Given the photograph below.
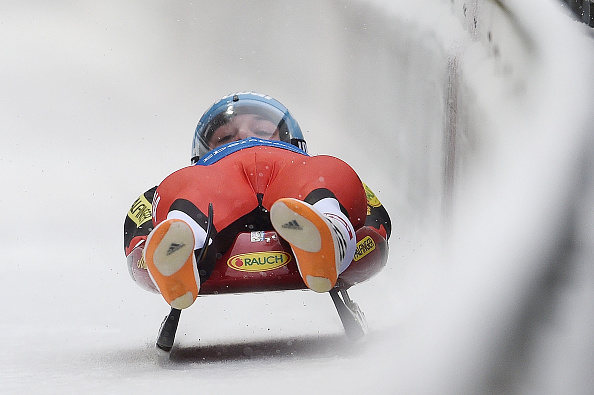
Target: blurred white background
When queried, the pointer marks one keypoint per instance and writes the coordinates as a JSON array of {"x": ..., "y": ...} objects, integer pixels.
[{"x": 99, "y": 100}]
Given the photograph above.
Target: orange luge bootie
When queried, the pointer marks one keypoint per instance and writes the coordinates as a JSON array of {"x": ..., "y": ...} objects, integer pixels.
[
  {"x": 318, "y": 246},
  {"x": 169, "y": 257}
]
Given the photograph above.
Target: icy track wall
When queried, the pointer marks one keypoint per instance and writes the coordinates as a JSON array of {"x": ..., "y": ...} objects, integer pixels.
[
  {"x": 472, "y": 111},
  {"x": 446, "y": 84},
  {"x": 501, "y": 125}
]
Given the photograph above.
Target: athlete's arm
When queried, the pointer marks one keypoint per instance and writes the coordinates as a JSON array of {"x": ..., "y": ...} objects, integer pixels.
[
  {"x": 377, "y": 216},
  {"x": 139, "y": 221}
]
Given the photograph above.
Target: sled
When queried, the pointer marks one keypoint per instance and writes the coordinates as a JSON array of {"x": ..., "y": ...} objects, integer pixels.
[{"x": 260, "y": 261}]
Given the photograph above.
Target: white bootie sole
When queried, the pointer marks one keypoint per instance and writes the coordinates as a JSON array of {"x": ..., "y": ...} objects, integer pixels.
[
  {"x": 312, "y": 240},
  {"x": 174, "y": 249},
  {"x": 298, "y": 230}
]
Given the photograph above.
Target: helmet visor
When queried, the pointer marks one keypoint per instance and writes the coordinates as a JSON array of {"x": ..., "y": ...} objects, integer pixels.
[
  {"x": 242, "y": 115},
  {"x": 241, "y": 120}
]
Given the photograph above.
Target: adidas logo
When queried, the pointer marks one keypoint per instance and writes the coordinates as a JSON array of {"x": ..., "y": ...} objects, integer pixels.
[
  {"x": 292, "y": 225},
  {"x": 174, "y": 247}
]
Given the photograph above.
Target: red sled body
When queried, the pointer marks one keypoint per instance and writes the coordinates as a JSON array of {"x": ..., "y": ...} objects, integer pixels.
[{"x": 261, "y": 261}]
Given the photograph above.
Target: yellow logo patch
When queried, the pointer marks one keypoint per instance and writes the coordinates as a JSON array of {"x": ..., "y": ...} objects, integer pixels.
[
  {"x": 141, "y": 264},
  {"x": 372, "y": 200},
  {"x": 259, "y": 261},
  {"x": 364, "y": 247},
  {"x": 140, "y": 212}
]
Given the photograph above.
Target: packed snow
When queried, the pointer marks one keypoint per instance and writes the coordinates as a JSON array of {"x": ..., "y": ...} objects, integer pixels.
[{"x": 99, "y": 101}]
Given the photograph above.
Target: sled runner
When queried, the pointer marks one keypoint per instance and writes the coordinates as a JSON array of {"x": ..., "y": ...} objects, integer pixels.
[{"x": 259, "y": 261}]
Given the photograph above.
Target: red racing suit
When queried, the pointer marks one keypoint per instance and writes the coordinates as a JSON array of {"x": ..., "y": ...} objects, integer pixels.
[{"x": 242, "y": 180}]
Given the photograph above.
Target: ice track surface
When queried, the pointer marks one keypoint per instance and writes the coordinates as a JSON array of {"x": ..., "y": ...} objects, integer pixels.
[{"x": 98, "y": 103}]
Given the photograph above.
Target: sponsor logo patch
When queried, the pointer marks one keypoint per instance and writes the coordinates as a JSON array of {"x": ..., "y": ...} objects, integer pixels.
[
  {"x": 140, "y": 212},
  {"x": 257, "y": 236},
  {"x": 259, "y": 261},
  {"x": 141, "y": 264},
  {"x": 372, "y": 200},
  {"x": 364, "y": 247}
]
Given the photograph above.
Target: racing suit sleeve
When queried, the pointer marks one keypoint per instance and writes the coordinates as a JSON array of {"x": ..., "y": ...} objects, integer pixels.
[
  {"x": 377, "y": 216},
  {"x": 139, "y": 221},
  {"x": 137, "y": 226}
]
